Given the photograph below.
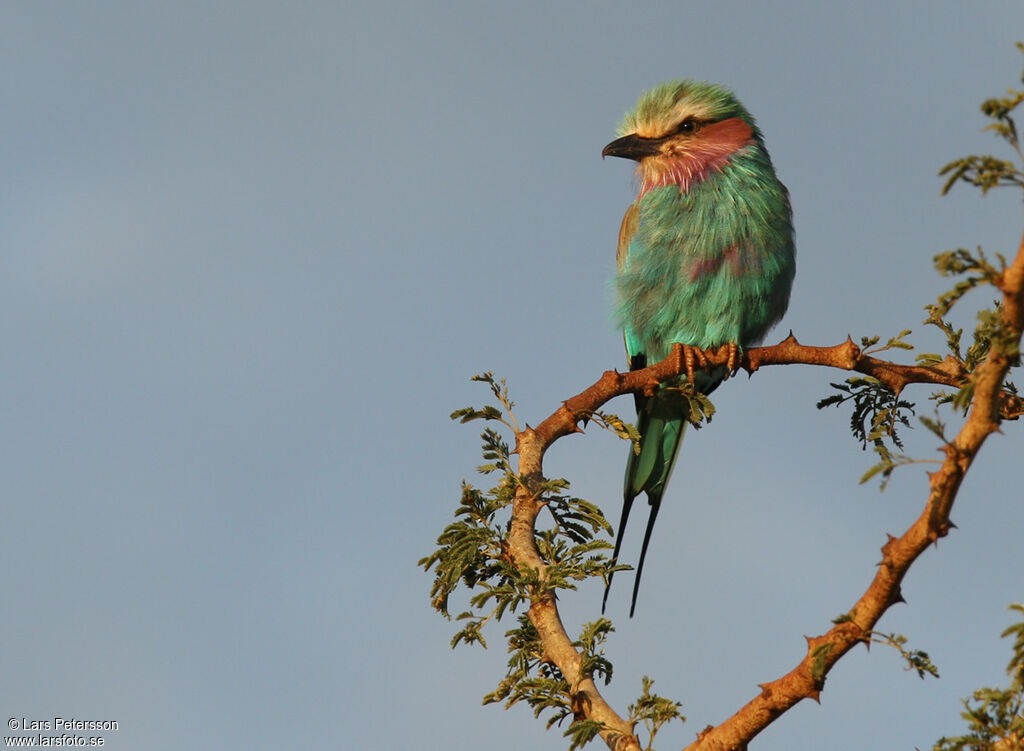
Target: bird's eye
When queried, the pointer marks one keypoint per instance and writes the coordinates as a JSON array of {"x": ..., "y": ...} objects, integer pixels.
[{"x": 689, "y": 126}]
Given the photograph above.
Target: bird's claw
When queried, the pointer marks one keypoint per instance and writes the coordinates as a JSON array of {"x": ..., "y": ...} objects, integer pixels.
[
  {"x": 732, "y": 362},
  {"x": 689, "y": 357}
]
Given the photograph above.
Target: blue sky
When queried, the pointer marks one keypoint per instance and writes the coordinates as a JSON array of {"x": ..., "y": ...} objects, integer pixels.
[{"x": 250, "y": 255}]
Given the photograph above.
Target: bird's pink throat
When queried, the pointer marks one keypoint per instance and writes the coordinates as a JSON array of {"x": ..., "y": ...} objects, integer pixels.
[{"x": 708, "y": 151}]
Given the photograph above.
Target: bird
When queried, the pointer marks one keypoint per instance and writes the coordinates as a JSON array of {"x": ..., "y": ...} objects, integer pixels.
[{"x": 706, "y": 258}]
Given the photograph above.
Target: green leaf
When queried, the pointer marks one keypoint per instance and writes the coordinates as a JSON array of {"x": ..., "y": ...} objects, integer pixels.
[
  {"x": 819, "y": 658},
  {"x": 653, "y": 711}
]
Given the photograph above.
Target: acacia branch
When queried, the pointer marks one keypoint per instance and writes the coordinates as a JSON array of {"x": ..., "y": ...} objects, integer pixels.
[{"x": 989, "y": 406}]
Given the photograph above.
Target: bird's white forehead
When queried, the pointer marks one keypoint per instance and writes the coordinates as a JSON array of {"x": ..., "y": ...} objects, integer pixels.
[{"x": 655, "y": 126}]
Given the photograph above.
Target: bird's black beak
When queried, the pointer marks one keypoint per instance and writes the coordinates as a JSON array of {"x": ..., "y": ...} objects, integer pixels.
[{"x": 633, "y": 147}]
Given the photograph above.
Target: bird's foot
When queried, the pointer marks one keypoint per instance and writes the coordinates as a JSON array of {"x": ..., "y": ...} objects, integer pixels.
[{"x": 687, "y": 357}]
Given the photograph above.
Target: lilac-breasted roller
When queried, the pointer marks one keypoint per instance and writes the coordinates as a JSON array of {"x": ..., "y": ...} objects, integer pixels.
[{"x": 705, "y": 258}]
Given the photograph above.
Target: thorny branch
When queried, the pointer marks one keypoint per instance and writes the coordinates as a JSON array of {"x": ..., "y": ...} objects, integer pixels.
[{"x": 989, "y": 406}]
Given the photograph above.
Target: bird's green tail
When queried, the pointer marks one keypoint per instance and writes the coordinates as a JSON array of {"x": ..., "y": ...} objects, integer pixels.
[{"x": 662, "y": 422}]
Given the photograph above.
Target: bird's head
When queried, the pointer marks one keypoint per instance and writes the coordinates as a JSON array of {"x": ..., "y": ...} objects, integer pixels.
[{"x": 681, "y": 131}]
